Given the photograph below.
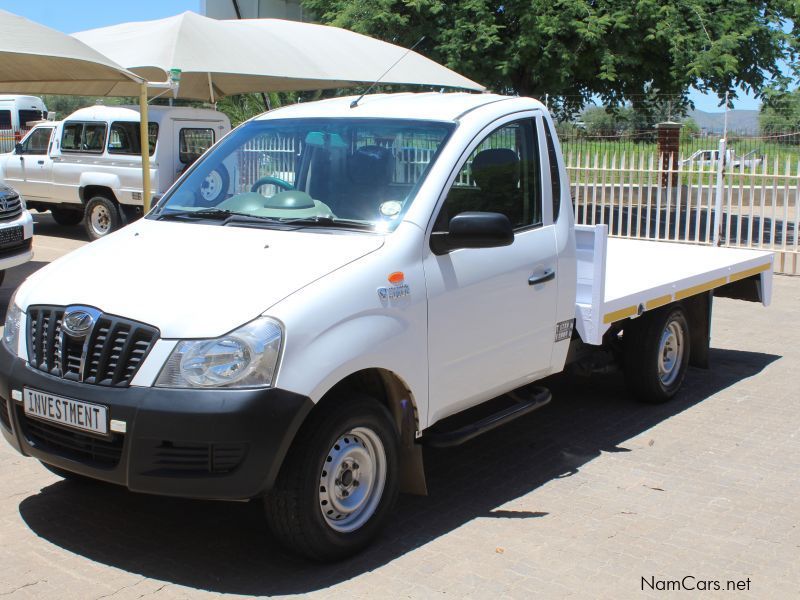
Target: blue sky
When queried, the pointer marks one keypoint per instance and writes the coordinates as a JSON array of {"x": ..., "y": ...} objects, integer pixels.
[{"x": 77, "y": 15}]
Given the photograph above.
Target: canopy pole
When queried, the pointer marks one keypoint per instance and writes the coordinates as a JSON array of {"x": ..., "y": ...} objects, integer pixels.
[{"x": 144, "y": 135}]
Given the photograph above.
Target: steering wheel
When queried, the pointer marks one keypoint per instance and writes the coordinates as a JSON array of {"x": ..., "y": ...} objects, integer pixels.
[{"x": 276, "y": 181}]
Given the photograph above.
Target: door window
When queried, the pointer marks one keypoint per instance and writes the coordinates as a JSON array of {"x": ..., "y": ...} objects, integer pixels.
[
  {"x": 5, "y": 119},
  {"x": 501, "y": 175},
  {"x": 193, "y": 142},
  {"x": 124, "y": 138},
  {"x": 83, "y": 137},
  {"x": 26, "y": 116},
  {"x": 555, "y": 174},
  {"x": 37, "y": 142}
]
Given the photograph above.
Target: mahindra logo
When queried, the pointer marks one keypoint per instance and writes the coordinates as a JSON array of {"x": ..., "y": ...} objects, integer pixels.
[
  {"x": 77, "y": 323},
  {"x": 3, "y": 204}
]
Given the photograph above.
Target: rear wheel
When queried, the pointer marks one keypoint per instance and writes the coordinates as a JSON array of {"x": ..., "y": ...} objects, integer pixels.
[
  {"x": 101, "y": 217},
  {"x": 657, "y": 347},
  {"x": 65, "y": 216},
  {"x": 338, "y": 483}
]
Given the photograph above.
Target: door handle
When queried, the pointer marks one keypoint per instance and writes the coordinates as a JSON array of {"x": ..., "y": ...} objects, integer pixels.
[
  {"x": 548, "y": 275},
  {"x": 41, "y": 162}
]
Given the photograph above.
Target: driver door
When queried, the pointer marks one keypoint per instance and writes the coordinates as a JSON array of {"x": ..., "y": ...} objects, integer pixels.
[
  {"x": 491, "y": 311},
  {"x": 30, "y": 169}
]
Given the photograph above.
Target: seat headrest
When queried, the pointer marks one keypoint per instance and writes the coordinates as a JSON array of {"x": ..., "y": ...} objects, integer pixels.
[
  {"x": 495, "y": 167},
  {"x": 371, "y": 166}
]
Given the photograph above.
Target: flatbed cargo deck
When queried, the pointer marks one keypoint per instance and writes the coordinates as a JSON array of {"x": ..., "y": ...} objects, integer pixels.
[{"x": 622, "y": 278}]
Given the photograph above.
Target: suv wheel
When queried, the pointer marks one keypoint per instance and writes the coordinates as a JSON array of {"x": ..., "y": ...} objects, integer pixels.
[
  {"x": 65, "y": 216},
  {"x": 101, "y": 217}
]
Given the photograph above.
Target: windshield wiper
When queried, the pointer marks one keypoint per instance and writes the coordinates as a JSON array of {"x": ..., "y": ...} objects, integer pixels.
[
  {"x": 330, "y": 222},
  {"x": 207, "y": 213},
  {"x": 226, "y": 216}
]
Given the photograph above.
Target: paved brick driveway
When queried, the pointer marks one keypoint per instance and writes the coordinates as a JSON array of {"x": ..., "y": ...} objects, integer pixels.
[{"x": 583, "y": 498}]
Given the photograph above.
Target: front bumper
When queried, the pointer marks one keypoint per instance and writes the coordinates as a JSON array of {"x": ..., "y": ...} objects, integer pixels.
[
  {"x": 214, "y": 444},
  {"x": 16, "y": 254}
]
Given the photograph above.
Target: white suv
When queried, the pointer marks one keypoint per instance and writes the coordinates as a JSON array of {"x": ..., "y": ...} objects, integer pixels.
[
  {"x": 16, "y": 230},
  {"x": 87, "y": 168}
]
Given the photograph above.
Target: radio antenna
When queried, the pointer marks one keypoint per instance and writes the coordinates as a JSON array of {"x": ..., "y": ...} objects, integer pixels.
[{"x": 355, "y": 102}]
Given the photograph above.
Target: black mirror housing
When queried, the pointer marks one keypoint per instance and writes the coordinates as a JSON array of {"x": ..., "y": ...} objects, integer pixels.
[{"x": 474, "y": 230}]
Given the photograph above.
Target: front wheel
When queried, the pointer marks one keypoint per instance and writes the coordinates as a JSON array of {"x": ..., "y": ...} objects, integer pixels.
[
  {"x": 338, "y": 483},
  {"x": 65, "y": 216},
  {"x": 101, "y": 217},
  {"x": 657, "y": 347}
]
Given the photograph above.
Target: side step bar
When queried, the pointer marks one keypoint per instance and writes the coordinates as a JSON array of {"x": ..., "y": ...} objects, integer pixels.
[{"x": 526, "y": 400}]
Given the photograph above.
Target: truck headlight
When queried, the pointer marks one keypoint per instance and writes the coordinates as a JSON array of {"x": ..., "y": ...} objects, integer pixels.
[
  {"x": 245, "y": 357},
  {"x": 13, "y": 325}
]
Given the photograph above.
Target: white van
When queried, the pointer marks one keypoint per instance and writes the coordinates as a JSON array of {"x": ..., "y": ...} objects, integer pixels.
[
  {"x": 88, "y": 167},
  {"x": 15, "y": 114}
]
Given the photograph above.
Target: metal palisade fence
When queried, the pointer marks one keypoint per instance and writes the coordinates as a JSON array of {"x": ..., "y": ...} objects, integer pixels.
[
  {"x": 700, "y": 199},
  {"x": 744, "y": 201},
  {"x": 7, "y": 140}
]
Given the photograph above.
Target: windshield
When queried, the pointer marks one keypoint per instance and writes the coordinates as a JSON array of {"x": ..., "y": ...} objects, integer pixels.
[{"x": 350, "y": 173}]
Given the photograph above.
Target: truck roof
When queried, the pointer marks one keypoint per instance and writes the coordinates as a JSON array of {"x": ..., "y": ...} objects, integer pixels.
[
  {"x": 430, "y": 106},
  {"x": 155, "y": 113},
  {"x": 18, "y": 98}
]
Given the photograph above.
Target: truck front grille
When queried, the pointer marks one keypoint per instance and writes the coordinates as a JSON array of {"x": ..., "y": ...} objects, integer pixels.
[
  {"x": 10, "y": 207},
  {"x": 87, "y": 449},
  {"x": 15, "y": 248},
  {"x": 110, "y": 353}
]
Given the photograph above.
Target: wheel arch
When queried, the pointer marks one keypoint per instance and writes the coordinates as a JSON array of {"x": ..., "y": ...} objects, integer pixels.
[
  {"x": 385, "y": 386},
  {"x": 390, "y": 390},
  {"x": 87, "y": 192}
]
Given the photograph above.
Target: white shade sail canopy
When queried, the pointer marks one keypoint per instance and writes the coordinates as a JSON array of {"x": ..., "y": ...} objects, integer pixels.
[
  {"x": 35, "y": 59},
  {"x": 222, "y": 58}
]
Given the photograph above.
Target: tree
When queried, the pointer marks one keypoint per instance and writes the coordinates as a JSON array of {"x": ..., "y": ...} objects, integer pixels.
[
  {"x": 780, "y": 113},
  {"x": 572, "y": 50},
  {"x": 63, "y": 106}
]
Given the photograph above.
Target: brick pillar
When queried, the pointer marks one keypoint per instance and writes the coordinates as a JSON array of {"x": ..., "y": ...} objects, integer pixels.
[{"x": 669, "y": 138}]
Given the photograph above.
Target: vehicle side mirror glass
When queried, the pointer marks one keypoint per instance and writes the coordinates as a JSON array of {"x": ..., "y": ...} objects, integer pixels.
[
  {"x": 18, "y": 149},
  {"x": 474, "y": 230}
]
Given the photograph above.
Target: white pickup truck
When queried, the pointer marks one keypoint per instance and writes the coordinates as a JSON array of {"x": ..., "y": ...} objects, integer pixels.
[
  {"x": 377, "y": 270},
  {"x": 88, "y": 167}
]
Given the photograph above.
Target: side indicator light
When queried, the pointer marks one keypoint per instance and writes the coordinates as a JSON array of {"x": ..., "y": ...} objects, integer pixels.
[{"x": 396, "y": 277}]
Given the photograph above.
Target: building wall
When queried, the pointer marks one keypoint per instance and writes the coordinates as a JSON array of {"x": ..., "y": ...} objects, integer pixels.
[{"x": 255, "y": 9}]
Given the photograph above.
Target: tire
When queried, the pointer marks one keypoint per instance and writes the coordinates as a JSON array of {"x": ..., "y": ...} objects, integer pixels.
[
  {"x": 657, "y": 348},
  {"x": 65, "y": 216},
  {"x": 67, "y": 475},
  {"x": 214, "y": 186},
  {"x": 326, "y": 514},
  {"x": 101, "y": 217}
]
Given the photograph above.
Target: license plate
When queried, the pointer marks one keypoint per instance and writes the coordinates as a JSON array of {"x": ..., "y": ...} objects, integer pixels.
[
  {"x": 66, "y": 411},
  {"x": 10, "y": 236}
]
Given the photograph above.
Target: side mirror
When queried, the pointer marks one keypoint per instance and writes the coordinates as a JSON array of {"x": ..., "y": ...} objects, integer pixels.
[
  {"x": 474, "y": 230},
  {"x": 18, "y": 149}
]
